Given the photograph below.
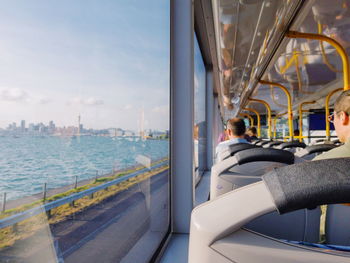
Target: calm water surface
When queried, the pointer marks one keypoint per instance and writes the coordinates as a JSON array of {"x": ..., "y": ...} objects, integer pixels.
[{"x": 26, "y": 163}]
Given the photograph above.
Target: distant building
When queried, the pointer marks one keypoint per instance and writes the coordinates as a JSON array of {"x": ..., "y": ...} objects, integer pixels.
[
  {"x": 115, "y": 132},
  {"x": 31, "y": 127},
  {"x": 23, "y": 125}
]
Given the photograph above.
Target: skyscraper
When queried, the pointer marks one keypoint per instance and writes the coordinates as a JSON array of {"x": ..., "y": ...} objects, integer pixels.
[
  {"x": 79, "y": 127},
  {"x": 23, "y": 125}
]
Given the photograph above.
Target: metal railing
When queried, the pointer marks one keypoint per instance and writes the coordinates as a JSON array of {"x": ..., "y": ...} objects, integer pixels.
[{"x": 14, "y": 219}]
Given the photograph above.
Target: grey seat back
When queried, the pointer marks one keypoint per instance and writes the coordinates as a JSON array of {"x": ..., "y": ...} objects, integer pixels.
[
  {"x": 302, "y": 225},
  {"x": 262, "y": 142},
  {"x": 272, "y": 144},
  {"x": 232, "y": 149},
  {"x": 216, "y": 226},
  {"x": 246, "y": 167},
  {"x": 311, "y": 151},
  {"x": 337, "y": 225}
]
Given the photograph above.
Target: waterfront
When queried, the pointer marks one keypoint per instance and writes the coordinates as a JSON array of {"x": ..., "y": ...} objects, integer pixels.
[{"x": 27, "y": 162}]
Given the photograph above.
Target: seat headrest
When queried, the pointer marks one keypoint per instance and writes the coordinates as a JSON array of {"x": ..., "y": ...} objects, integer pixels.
[
  {"x": 261, "y": 143},
  {"x": 319, "y": 148},
  {"x": 264, "y": 154},
  {"x": 309, "y": 184},
  {"x": 291, "y": 145},
  {"x": 235, "y": 148},
  {"x": 256, "y": 141},
  {"x": 273, "y": 143}
]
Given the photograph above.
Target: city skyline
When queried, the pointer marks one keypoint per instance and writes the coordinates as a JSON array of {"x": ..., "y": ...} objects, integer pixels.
[{"x": 24, "y": 126}]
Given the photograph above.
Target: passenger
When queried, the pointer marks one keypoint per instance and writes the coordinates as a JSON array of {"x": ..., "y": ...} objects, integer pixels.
[
  {"x": 222, "y": 137},
  {"x": 341, "y": 120},
  {"x": 235, "y": 132},
  {"x": 247, "y": 137},
  {"x": 252, "y": 133},
  {"x": 296, "y": 133}
]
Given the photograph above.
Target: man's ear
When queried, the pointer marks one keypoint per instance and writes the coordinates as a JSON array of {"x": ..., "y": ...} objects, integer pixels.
[
  {"x": 229, "y": 132},
  {"x": 345, "y": 119}
]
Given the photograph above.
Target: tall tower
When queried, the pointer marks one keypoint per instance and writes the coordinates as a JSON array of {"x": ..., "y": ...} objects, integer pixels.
[{"x": 79, "y": 124}]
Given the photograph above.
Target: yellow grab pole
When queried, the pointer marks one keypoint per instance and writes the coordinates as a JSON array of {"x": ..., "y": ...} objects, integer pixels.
[
  {"x": 328, "y": 132},
  {"x": 341, "y": 51},
  {"x": 251, "y": 120},
  {"x": 275, "y": 127},
  {"x": 289, "y": 98},
  {"x": 301, "y": 118},
  {"x": 258, "y": 119},
  {"x": 268, "y": 114}
]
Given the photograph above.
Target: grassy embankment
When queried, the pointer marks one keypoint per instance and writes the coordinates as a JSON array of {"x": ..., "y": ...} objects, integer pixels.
[{"x": 28, "y": 227}]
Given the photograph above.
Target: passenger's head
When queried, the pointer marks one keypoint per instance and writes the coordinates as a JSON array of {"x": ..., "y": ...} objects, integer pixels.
[
  {"x": 296, "y": 133},
  {"x": 251, "y": 131},
  {"x": 235, "y": 128},
  {"x": 341, "y": 116}
]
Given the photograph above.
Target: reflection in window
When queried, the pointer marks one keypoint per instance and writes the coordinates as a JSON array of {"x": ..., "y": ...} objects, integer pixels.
[
  {"x": 84, "y": 130},
  {"x": 199, "y": 111}
]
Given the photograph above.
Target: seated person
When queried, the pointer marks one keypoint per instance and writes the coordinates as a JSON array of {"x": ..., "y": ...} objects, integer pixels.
[
  {"x": 252, "y": 133},
  {"x": 296, "y": 133},
  {"x": 235, "y": 132},
  {"x": 341, "y": 120}
]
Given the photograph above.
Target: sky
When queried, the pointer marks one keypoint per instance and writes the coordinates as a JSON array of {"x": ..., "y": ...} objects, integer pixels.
[
  {"x": 107, "y": 60},
  {"x": 199, "y": 84}
]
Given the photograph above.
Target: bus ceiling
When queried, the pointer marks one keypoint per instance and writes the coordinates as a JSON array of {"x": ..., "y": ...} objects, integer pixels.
[{"x": 274, "y": 45}]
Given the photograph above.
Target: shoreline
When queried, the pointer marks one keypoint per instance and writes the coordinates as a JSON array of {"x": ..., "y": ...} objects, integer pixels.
[{"x": 11, "y": 204}]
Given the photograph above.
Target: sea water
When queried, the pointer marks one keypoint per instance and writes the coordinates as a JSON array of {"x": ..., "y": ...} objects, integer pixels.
[{"x": 28, "y": 162}]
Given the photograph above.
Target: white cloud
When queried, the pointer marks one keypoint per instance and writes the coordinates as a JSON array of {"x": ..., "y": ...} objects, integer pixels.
[
  {"x": 13, "y": 94},
  {"x": 127, "y": 107},
  {"x": 161, "y": 109},
  {"x": 42, "y": 100},
  {"x": 91, "y": 101}
]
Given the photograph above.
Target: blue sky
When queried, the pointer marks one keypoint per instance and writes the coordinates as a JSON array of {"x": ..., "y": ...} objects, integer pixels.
[{"x": 107, "y": 60}]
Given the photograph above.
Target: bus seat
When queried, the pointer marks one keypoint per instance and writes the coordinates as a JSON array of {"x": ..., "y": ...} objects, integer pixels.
[
  {"x": 262, "y": 142},
  {"x": 233, "y": 149},
  {"x": 309, "y": 152},
  {"x": 337, "y": 225},
  {"x": 256, "y": 141},
  {"x": 272, "y": 144},
  {"x": 246, "y": 167},
  {"x": 291, "y": 146},
  {"x": 217, "y": 232}
]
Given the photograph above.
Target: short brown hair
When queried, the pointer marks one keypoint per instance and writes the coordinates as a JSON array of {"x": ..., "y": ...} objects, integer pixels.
[
  {"x": 237, "y": 126},
  {"x": 343, "y": 102},
  {"x": 252, "y": 130}
]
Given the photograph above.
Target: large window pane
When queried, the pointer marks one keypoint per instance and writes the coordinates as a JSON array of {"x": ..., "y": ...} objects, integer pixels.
[
  {"x": 84, "y": 130},
  {"x": 199, "y": 110}
]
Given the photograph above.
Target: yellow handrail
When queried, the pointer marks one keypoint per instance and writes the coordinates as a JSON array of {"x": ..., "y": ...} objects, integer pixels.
[
  {"x": 258, "y": 119},
  {"x": 324, "y": 55},
  {"x": 300, "y": 84},
  {"x": 274, "y": 99},
  {"x": 275, "y": 127},
  {"x": 289, "y": 63},
  {"x": 341, "y": 51},
  {"x": 251, "y": 120},
  {"x": 301, "y": 118},
  {"x": 268, "y": 114},
  {"x": 330, "y": 94},
  {"x": 289, "y": 98}
]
